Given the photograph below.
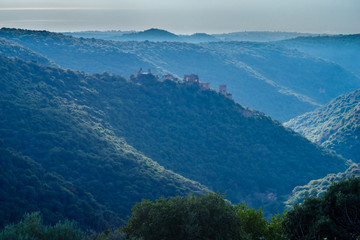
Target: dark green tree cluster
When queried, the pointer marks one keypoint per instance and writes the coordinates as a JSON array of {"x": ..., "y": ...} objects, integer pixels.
[
  {"x": 200, "y": 217},
  {"x": 31, "y": 227},
  {"x": 335, "y": 215}
]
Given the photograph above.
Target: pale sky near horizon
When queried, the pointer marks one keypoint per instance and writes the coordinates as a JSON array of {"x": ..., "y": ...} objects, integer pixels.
[{"x": 184, "y": 16}]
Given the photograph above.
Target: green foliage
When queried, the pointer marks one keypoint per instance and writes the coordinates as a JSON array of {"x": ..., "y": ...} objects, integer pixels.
[
  {"x": 253, "y": 221},
  {"x": 342, "y": 201},
  {"x": 192, "y": 217},
  {"x": 317, "y": 187},
  {"x": 12, "y": 49},
  {"x": 51, "y": 116},
  {"x": 90, "y": 130},
  {"x": 31, "y": 227},
  {"x": 28, "y": 187},
  {"x": 257, "y": 226},
  {"x": 109, "y": 234},
  {"x": 335, "y": 126},
  {"x": 276, "y": 230},
  {"x": 335, "y": 215}
]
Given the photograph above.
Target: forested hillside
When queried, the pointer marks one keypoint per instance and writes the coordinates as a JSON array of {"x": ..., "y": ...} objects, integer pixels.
[
  {"x": 267, "y": 77},
  {"x": 213, "y": 140},
  {"x": 27, "y": 187},
  {"x": 82, "y": 122},
  {"x": 12, "y": 49},
  {"x": 46, "y": 114},
  {"x": 317, "y": 187},
  {"x": 335, "y": 125},
  {"x": 342, "y": 49},
  {"x": 89, "y": 55}
]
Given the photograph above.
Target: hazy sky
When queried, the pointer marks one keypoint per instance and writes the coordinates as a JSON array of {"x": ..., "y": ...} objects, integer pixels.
[{"x": 184, "y": 16}]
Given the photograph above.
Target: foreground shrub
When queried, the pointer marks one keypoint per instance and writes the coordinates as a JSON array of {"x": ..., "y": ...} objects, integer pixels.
[
  {"x": 192, "y": 217},
  {"x": 31, "y": 227}
]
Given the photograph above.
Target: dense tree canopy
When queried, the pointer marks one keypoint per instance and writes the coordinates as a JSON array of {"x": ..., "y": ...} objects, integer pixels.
[
  {"x": 335, "y": 215},
  {"x": 192, "y": 217}
]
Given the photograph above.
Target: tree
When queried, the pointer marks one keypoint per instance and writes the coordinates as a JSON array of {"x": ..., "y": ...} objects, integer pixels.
[
  {"x": 207, "y": 216},
  {"x": 257, "y": 227},
  {"x": 343, "y": 205},
  {"x": 335, "y": 215},
  {"x": 32, "y": 228}
]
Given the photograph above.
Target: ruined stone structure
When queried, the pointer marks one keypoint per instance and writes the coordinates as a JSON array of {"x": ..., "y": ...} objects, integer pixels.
[
  {"x": 204, "y": 86},
  {"x": 192, "y": 78},
  {"x": 222, "y": 91}
]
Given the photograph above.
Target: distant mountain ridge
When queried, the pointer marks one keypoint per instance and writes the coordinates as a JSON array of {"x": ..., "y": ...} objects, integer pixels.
[
  {"x": 264, "y": 76},
  {"x": 152, "y": 34},
  {"x": 342, "y": 49},
  {"x": 162, "y": 35}
]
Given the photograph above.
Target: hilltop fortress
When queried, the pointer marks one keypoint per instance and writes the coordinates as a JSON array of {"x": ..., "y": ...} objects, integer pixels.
[{"x": 191, "y": 79}]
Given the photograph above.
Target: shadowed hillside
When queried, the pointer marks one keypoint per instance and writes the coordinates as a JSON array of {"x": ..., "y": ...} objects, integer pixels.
[{"x": 49, "y": 118}]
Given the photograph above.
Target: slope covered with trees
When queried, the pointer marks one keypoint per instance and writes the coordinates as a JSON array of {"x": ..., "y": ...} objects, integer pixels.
[
  {"x": 46, "y": 115},
  {"x": 12, "y": 49},
  {"x": 335, "y": 215},
  {"x": 317, "y": 187},
  {"x": 263, "y": 76},
  {"x": 342, "y": 49},
  {"x": 335, "y": 125},
  {"x": 80, "y": 126},
  {"x": 89, "y": 55},
  {"x": 27, "y": 187}
]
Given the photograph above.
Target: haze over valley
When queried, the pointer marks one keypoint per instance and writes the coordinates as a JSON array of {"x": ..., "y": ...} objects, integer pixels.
[{"x": 155, "y": 128}]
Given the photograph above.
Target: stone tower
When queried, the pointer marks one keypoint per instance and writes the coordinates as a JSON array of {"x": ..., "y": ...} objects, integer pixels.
[{"x": 222, "y": 89}]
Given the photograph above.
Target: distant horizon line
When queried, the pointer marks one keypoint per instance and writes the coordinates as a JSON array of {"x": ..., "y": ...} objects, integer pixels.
[{"x": 174, "y": 32}]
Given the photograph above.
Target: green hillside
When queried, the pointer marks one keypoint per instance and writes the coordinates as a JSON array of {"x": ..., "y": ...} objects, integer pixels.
[
  {"x": 213, "y": 140},
  {"x": 318, "y": 187},
  {"x": 27, "y": 187},
  {"x": 46, "y": 115},
  {"x": 267, "y": 77},
  {"x": 335, "y": 126},
  {"x": 12, "y": 49},
  {"x": 89, "y": 55},
  {"x": 342, "y": 49},
  {"x": 82, "y": 126}
]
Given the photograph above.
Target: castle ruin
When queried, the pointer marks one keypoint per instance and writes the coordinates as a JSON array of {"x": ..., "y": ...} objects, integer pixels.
[
  {"x": 193, "y": 79},
  {"x": 222, "y": 91}
]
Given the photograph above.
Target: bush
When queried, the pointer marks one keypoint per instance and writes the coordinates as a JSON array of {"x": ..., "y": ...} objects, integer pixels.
[
  {"x": 192, "y": 217},
  {"x": 32, "y": 228},
  {"x": 335, "y": 215}
]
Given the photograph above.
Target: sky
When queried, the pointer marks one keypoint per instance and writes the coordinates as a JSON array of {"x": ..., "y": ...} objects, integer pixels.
[{"x": 184, "y": 16}]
